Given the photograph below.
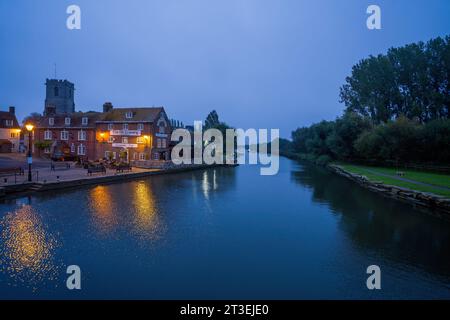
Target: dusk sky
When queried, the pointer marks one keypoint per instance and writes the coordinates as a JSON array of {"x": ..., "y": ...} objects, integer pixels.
[{"x": 259, "y": 63}]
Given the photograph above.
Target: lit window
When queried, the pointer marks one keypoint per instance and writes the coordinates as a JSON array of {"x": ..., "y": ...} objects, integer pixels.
[
  {"x": 64, "y": 135},
  {"x": 141, "y": 156},
  {"x": 48, "y": 135},
  {"x": 140, "y": 126},
  {"x": 84, "y": 121},
  {"x": 129, "y": 115},
  {"x": 67, "y": 121},
  {"x": 124, "y": 139},
  {"x": 51, "y": 121},
  {"x": 140, "y": 140}
]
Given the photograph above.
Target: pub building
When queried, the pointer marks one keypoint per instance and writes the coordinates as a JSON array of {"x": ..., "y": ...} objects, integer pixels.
[{"x": 133, "y": 134}]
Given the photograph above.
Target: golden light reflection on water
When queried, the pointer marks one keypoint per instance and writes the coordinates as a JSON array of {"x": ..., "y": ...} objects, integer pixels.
[
  {"x": 146, "y": 219},
  {"x": 101, "y": 202},
  {"x": 27, "y": 249}
]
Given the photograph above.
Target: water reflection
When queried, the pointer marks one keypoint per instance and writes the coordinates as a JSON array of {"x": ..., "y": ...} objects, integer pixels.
[
  {"x": 209, "y": 182},
  {"x": 27, "y": 249},
  {"x": 146, "y": 219},
  {"x": 102, "y": 204},
  {"x": 389, "y": 228}
]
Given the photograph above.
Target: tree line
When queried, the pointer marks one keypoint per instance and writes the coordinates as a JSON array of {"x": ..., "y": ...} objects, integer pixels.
[{"x": 397, "y": 109}]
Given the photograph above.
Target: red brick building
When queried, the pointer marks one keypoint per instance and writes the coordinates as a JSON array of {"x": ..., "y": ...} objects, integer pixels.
[
  {"x": 66, "y": 135},
  {"x": 133, "y": 133},
  {"x": 125, "y": 133}
]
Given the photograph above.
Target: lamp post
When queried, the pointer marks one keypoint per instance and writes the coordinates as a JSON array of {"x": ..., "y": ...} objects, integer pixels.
[{"x": 30, "y": 156}]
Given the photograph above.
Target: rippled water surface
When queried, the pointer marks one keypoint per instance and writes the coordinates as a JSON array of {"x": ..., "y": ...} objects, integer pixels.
[{"x": 222, "y": 233}]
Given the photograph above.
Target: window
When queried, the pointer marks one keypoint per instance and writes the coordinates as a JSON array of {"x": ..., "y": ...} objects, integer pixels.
[
  {"x": 84, "y": 121},
  {"x": 72, "y": 148},
  {"x": 110, "y": 126},
  {"x": 141, "y": 156},
  {"x": 9, "y": 123},
  {"x": 129, "y": 115},
  {"x": 81, "y": 150},
  {"x": 48, "y": 135},
  {"x": 51, "y": 121},
  {"x": 81, "y": 135},
  {"x": 56, "y": 91},
  {"x": 124, "y": 139},
  {"x": 161, "y": 130},
  {"x": 125, "y": 126},
  {"x": 158, "y": 143},
  {"x": 114, "y": 155},
  {"x": 64, "y": 135},
  {"x": 164, "y": 143},
  {"x": 47, "y": 150},
  {"x": 140, "y": 126},
  {"x": 111, "y": 139},
  {"x": 67, "y": 121},
  {"x": 14, "y": 135},
  {"x": 140, "y": 140},
  {"x": 107, "y": 153}
]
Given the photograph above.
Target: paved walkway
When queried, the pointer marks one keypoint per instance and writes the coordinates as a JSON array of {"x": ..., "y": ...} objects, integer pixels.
[
  {"x": 406, "y": 179},
  {"x": 44, "y": 174}
]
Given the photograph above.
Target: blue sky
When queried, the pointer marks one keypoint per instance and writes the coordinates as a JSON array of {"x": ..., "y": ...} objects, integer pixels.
[{"x": 259, "y": 63}]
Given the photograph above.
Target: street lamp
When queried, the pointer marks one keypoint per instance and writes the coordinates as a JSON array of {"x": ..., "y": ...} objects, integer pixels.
[{"x": 30, "y": 156}]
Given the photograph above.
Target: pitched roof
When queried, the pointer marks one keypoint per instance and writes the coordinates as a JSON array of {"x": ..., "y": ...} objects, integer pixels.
[
  {"x": 5, "y": 115},
  {"x": 147, "y": 114},
  {"x": 75, "y": 120}
]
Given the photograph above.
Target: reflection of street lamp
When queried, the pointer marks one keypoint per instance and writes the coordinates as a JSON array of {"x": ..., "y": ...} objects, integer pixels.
[
  {"x": 102, "y": 136},
  {"x": 30, "y": 157}
]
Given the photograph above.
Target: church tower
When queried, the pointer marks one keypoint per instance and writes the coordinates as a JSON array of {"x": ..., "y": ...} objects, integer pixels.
[{"x": 59, "y": 97}]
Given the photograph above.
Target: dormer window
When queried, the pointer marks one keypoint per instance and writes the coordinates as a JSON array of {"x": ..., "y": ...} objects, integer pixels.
[
  {"x": 51, "y": 121},
  {"x": 67, "y": 121},
  {"x": 129, "y": 115},
  {"x": 9, "y": 123},
  {"x": 84, "y": 121}
]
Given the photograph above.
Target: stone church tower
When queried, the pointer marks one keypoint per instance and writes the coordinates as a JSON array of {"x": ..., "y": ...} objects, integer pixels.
[{"x": 59, "y": 97}]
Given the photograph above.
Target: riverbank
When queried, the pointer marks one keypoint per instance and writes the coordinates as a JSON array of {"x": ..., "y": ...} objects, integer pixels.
[
  {"x": 440, "y": 205},
  {"x": 78, "y": 178}
]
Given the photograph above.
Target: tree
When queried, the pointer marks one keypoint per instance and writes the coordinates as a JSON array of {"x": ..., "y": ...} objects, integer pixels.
[{"x": 33, "y": 118}]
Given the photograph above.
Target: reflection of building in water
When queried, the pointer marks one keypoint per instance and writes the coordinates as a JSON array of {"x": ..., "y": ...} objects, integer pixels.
[
  {"x": 26, "y": 248},
  {"x": 101, "y": 202},
  {"x": 209, "y": 182}
]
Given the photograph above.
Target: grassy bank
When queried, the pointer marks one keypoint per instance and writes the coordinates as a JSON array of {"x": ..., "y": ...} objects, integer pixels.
[{"x": 417, "y": 180}]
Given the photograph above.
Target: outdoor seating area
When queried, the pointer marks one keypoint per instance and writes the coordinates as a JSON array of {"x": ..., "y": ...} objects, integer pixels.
[{"x": 59, "y": 165}]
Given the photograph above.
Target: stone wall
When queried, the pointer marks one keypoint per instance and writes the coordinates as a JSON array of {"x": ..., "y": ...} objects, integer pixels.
[{"x": 438, "y": 204}]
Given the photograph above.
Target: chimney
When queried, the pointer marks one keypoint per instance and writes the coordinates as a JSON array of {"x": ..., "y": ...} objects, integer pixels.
[
  {"x": 12, "y": 110},
  {"x": 107, "y": 106}
]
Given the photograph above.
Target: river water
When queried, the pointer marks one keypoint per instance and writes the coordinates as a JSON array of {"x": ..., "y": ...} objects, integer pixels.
[{"x": 223, "y": 233}]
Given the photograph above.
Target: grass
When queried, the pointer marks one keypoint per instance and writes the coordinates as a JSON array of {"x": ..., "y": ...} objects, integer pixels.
[{"x": 434, "y": 179}]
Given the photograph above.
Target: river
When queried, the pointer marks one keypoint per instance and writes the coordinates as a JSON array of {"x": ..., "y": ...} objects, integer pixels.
[{"x": 223, "y": 233}]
